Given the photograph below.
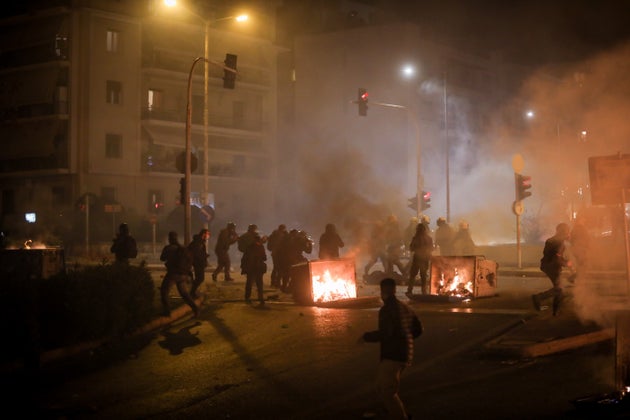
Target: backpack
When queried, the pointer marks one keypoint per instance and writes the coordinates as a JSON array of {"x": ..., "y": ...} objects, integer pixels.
[{"x": 181, "y": 261}]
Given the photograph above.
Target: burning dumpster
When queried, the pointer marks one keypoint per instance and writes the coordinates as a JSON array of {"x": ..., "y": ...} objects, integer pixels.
[
  {"x": 321, "y": 281},
  {"x": 34, "y": 263},
  {"x": 463, "y": 276}
]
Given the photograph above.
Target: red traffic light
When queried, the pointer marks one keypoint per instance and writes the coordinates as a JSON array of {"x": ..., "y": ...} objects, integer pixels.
[
  {"x": 362, "y": 100},
  {"x": 523, "y": 184}
]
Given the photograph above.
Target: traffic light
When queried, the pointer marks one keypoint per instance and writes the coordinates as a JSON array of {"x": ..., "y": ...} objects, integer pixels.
[
  {"x": 412, "y": 203},
  {"x": 426, "y": 200},
  {"x": 362, "y": 100},
  {"x": 523, "y": 183},
  {"x": 229, "y": 77},
  {"x": 182, "y": 191}
]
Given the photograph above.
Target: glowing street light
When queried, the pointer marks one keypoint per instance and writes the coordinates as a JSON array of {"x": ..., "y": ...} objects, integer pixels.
[{"x": 206, "y": 78}]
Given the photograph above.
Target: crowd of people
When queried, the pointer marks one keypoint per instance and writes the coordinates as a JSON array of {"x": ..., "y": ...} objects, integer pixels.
[
  {"x": 389, "y": 244},
  {"x": 403, "y": 253}
]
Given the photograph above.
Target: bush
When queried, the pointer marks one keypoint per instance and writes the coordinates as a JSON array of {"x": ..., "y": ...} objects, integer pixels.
[{"x": 95, "y": 302}]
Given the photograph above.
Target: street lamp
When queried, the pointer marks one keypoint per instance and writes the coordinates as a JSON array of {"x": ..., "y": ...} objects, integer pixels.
[{"x": 206, "y": 78}]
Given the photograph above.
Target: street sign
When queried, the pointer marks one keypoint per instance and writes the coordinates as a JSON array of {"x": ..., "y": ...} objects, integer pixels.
[
  {"x": 206, "y": 213},
  {"x": 609, "y": 175},
  {"x": 112, "y": 208},
  {"x": 518, "y": 208}
]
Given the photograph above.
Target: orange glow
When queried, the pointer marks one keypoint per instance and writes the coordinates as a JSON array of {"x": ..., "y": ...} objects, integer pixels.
[{"x": 327, "y": 288}]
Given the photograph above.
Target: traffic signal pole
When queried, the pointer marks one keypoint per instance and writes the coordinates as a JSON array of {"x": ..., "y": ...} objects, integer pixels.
[{"x": 188, "y": 151}]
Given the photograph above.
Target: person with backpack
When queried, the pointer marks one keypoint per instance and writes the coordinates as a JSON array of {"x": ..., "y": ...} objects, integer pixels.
[
  {"x": 124, "y": 246},
  {"x": 178, "y": 261}
]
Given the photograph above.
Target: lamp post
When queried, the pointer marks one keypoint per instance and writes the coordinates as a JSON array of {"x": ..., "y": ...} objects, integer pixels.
[
  {"x": 206, "y": 77},
  {"x": 448, "y": 151},
  {"x": 187, "y": 166}
]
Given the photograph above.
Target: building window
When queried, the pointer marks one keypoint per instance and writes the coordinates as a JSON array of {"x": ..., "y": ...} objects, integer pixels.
[
  {"x": 108, "y": 194},
  {"x": 61, "y": 46},
  {"x": 113, "y": 146},
  {"x": 112, "y": 41},
  {"x": 154, "y": 99},
  {"x": 8, "y": 202},
  {"x": 238, "y": 113},
  {"x": 114, "y": 92}
]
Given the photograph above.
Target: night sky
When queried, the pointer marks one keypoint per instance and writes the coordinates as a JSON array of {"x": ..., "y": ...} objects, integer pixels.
[{"x": 525, "y": 31}]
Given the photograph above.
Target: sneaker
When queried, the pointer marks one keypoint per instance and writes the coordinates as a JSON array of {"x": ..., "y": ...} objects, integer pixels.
[
  {"x": 409, "y": 294},
  {"x": 229, "y": 279},
  {"x": 214, "y": 277},
  {"x": 536, "y": 302}
]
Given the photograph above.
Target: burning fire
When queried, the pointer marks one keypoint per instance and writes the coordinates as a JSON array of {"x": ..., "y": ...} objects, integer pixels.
[
  {"x": 456, "y": 286},
  {"x": 327, "y": 288}
]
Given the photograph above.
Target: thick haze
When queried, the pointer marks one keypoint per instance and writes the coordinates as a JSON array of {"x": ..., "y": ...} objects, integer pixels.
[{"x": 578, "y": 60}]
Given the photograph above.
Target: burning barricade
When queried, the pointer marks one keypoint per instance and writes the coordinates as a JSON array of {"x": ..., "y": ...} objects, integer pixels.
[
  {"x": 323, "y": 281},
  {"x": 463, "y": 277}
]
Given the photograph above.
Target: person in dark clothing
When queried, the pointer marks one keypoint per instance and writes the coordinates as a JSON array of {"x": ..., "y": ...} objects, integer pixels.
[
  {"x": 329, "y": 243},
  {"x": 178, "y": 261},
  {"x": 291, "y": 251},
  {"x": 273, "y": 245},
  {"x": 463, "y": 243},
  {"x": 200, "y": 258},
  {"x": 124, "y": 246},
  {"x": 393, "y": 246},
  {"x": 398, "y": 326},
  {"x": 254, "y": 267},
  {"x": 248, "y": 238},
  {"x": 551, "y": 263},
  {"x": 227, "y": 236},
  {"x": 444, "y": 237},
  {"x": 421, "y": 247}
]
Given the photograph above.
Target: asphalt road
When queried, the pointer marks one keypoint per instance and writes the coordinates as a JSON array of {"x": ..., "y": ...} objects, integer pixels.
[{"x": 283, "y": 361}]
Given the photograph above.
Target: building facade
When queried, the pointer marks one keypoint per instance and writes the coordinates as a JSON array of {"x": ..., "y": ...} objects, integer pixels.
[{"x": 93, "y": 108}]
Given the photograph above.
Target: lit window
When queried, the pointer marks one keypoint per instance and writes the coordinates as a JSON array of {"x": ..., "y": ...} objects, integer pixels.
[
  {"x": 154, "y": 99},
  {"x": 113, "y": 146},
  {"x": 114, "y": 92},
  {"x": 112, "y": 41}
]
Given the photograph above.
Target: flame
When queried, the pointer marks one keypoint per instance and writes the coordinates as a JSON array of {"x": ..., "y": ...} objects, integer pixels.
[
  {"x": 327, "y": 289},
  {"x": 458, "y": 286}
]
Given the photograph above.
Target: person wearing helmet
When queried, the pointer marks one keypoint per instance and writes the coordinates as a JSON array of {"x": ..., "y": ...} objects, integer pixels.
[
  {"x": 329, "y": 243},
  {"x": 227, "y": 236},
  {"x": 444, "y": 236}
]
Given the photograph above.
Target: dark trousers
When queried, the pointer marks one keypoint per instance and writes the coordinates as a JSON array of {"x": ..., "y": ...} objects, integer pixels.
[
  {"x": 554, "y": 293},
  {"x": 180, "y": 281},
  {"x": 418, "y": 265},
  {"x": 275, "y": 272},
  {"x": 198, "y": 279},
  {"x": 223, "y": 263},
  {"x": 256, "y": 279}
]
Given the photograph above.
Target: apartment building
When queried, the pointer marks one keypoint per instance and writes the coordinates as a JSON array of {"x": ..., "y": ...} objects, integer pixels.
[{"x": 93, "y": 111}]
